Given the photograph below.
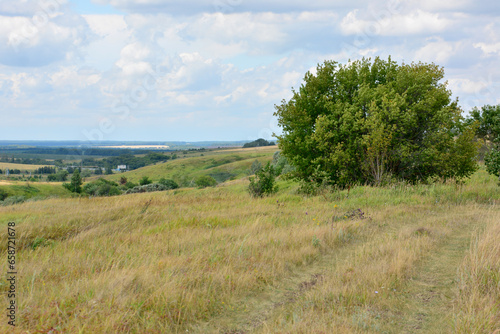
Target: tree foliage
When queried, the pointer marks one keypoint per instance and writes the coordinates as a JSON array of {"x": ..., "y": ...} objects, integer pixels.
[
  {"x": 102, "y": 187},
  {"x": 264, "y": 182},
  {"x": 256, "y": 166},
  {"x": 492, "y": 161},
  {"x": 168, "y": 183},
  {"x": 145, "y": 180},
  {"x": 368, "y": 121},
  {"x": 205, "y": 181},
  {"x": 259, "y": 142},
  {"x": 487, "y": 120},
  {"x": 76, "y": 182}
]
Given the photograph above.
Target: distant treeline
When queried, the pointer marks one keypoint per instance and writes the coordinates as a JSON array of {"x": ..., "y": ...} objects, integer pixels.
[
  {"x": 25, "y": 161},
  {"x": 259, "y": 142},
  {"x": 130, "y": 160},
  {"x": 76, "y": 152}
]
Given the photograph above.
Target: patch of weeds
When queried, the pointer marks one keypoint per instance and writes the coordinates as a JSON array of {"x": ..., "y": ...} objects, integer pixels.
[
  {"x": 40, "y": 242},
  {"x": 316, "y": 242},
  {"x": 146, "y": 206},
  {"x": 421, "y": 231},
  {"x": 351, "y": 215}
]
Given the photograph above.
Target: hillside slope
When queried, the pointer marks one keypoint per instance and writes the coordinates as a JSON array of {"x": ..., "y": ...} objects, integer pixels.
[
  {"x": 222, "y": 165},
  {"x": 394, "y": 259}
]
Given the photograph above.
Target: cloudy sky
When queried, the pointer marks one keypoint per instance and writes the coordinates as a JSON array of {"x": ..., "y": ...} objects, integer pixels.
[{"x": 214, "y": 69}]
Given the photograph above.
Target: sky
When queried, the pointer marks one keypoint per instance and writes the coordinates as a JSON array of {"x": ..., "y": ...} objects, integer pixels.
[{"x": 194, "y": 70}]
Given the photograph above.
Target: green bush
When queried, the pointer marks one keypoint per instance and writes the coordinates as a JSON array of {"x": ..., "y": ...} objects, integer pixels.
[
  {"x": 102, "y": 187},
  {"x": 281, "y": 164},
  {"x": 492, "y": 161},
  {"x": 264, "y": 182},
  {"x": 222, "y": 176},
  {"x": 145, "y": 180},
  {"x": 148, "y": 188},
  {"x": 256, "y": 166},
  {"x": 130, "y": 185},
  {"x": 205, "y": 181},
  {"x": 14, "y": 200},
  {"x": 168, "y": 183},
  {"x": 3, "y": 195}
]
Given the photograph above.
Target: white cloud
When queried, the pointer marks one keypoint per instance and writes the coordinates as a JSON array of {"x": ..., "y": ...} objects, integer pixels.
[
  {"x": 24, "y": 42},
  {"x": 415, "y": 22},
  {"x": 436, "y": 50},
  {"x": 30, "y": 8},
  {"x": 488, "y": 48},
  {"x": 105, "y": 25}
]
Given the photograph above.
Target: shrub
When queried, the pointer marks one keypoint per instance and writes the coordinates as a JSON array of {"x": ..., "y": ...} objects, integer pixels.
[
  {"x": 169, "y": 184},
  {"x": 492, "y": 161},
  {"x": 256, "y": 166},
  {"x": 148, "y": 188},
  {"x": 205, "y": 181},
  {"x": 264, "y": 182},
  {"x": 281, "y": 164},
  {"x": 3, "y": 195},
  {"x": 14, "y": 200},
  {"x": 130, "y": 185},
  {"x": 102, "y": 187},
  {"x": 221, "y": 176},
  {"x": 145, "y": 180}
]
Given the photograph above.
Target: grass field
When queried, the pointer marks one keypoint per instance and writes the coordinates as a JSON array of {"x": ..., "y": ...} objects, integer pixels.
[
  {"x": 230, "y": 164},
  {"x": 21, "y": 167},
  {"x": 35, "y": 190},
  {"x": 399, "y": 259}
]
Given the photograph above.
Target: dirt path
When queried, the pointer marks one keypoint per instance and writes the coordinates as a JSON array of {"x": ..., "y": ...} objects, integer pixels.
[
  {"x": 260, "y": 307},
  {"x": 429, "y": 295},
  {"x": 426, "y": 304}
]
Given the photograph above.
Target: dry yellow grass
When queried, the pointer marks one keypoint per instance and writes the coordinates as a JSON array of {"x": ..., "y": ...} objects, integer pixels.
[
  {"x": 21, "y": 167},
  {"x": 217, "y": 261},
  {"x": 477, "y": 307}
]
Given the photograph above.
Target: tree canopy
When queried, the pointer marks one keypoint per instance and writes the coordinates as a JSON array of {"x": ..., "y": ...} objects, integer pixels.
[
  {"x": 366, "y": 121},
  {"x": 488, "y": 121},
  {"x": 259, "y": 142}
]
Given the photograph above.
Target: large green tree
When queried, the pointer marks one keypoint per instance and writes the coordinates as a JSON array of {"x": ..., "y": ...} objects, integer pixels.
[
  {"x": 488, "y": 121},
  {"x": 368, "y": 120}
]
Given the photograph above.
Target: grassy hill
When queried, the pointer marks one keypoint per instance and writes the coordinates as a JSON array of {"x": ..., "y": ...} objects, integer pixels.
[
  {"x": 37, "y": 190},
  {"x": 222, "y": 165},
  {"x": 397, "y": 259},
  {"x": 21, "y": 167}
]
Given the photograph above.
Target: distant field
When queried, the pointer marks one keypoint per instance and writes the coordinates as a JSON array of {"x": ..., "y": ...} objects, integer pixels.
[
  {"x": 34, "y": 189},
  {"x": 223, "y": 165},
  {"x": 22, "y": 167},
  {"x": 163, "y": 147}
]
